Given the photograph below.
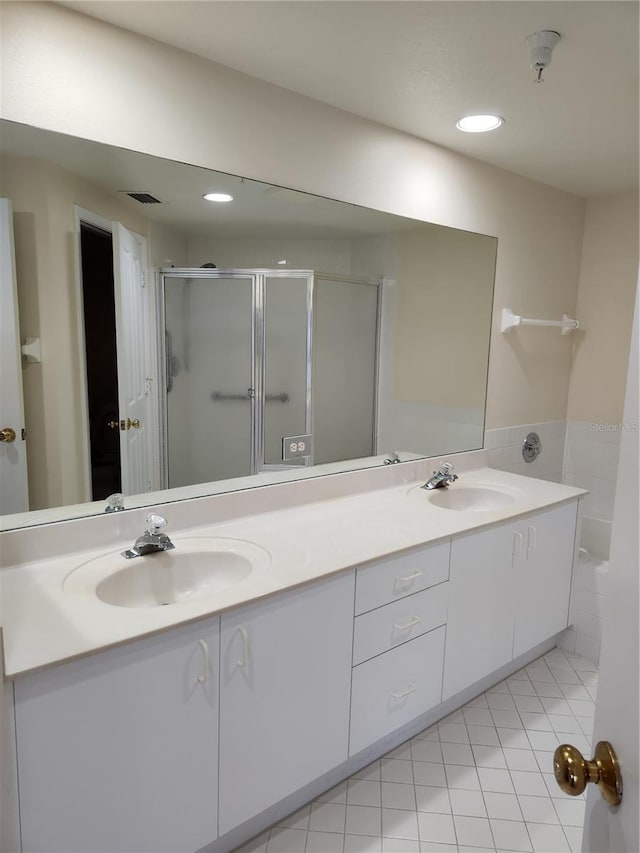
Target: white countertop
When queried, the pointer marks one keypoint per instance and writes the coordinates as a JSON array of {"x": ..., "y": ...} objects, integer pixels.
[{"x": 43, "y": 624}]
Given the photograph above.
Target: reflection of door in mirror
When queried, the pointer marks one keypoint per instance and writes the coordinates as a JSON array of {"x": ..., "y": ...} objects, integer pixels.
[
  {"x": 136, "y": 362},
  {"x": 13, "y": 452},
  {"x": 116, "y": 331}
]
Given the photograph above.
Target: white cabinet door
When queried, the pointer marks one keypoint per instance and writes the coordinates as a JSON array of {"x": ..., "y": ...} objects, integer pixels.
[
  {"x": 480, "y": 617},
  {"x": 284, "y": 695},
  {"x": 543, "y": 576},
  {"x": 117, "y": 752}
]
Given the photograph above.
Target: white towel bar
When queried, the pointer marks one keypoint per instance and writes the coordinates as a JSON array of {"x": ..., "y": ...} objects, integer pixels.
[{"x": 509, "y": 320}]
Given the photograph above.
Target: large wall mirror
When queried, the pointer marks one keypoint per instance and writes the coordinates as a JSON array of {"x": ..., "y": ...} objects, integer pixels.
[{"x": 176, "y": 346}]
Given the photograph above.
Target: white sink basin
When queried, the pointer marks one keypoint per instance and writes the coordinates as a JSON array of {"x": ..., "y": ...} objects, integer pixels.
[
  {"x": 463, "y": 498},
  {"x": 195, "y": 569}
]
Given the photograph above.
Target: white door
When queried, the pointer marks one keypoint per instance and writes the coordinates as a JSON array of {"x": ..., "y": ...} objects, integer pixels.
[
  {"x": 135, "y": 383},
  {"x": 13, "y": 450},
  {"x": 615, "y": 829}
]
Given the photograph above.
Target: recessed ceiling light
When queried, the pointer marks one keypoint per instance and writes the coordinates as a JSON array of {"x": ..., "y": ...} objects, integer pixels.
[
  {"x": 479, "y": 124},
  {"x": 219, "y": 197}
]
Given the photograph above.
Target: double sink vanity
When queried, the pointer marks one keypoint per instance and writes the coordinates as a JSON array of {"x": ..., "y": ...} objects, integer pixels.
[{"x": 188, "y": 698}]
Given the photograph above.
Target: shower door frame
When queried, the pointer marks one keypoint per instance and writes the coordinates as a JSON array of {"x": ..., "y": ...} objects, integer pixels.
[{"x": 258, "y": 277}]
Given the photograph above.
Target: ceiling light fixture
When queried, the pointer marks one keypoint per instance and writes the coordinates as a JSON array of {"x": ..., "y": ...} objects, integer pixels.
[
  {"x": 219, "y": 197},
  {"x": 479, "y": 123}
]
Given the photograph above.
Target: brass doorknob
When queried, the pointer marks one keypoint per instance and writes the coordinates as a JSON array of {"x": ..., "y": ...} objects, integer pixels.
[
  {"x": 113, "y": 424},
  {"x": 135, "y": 423},
  {"x": 573, "y": 772},
  {"x": 7, "y": 434}
]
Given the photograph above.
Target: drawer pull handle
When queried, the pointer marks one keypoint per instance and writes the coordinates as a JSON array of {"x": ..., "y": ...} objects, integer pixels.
[
  {"x": 408, "y": 624},
  {"x": 410, "y": 689},
  {"x": 205, "y": 662},
  {"x": 244, "y": 660},
  {"x": 532, "y": 537},
  {"x": 408, "y": 578}
]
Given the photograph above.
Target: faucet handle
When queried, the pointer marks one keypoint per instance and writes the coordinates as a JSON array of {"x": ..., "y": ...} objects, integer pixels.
[
  {"x": 156, "y": 523},
  {"x": 446, "y": 468},
  {"x": 115, "y": 503}
]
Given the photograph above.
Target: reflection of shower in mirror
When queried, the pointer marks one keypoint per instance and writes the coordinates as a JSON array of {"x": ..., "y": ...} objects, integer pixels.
[{"x": 302, "y": 339}]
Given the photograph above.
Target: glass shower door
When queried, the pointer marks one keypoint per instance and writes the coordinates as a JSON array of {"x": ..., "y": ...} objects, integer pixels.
[
  {"x": 210, "y": 377},
  {"x": 345, "y": 344},
  {"x": 287, "y": 365}
]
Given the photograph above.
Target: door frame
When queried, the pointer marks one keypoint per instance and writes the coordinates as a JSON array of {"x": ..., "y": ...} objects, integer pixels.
[{"x": 83, "y": 216}]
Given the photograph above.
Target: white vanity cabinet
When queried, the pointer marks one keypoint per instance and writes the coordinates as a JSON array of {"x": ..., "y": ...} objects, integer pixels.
[
  {"x": 398, "y": 648},
  {"x": 284, "y": 695},
  {"x": 509, "y": 591},
  {"x": 117, "y": 752}
]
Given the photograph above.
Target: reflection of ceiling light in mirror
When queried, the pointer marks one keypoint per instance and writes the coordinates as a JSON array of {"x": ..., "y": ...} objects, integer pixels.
[
  {"x": 219, "y": 197},
  {"x": 479, "y": 124},
  {"x": 282, "y": 263}
]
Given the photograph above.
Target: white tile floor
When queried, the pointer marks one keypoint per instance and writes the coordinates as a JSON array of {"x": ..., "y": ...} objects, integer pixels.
[{"x": 480, "y": 780}]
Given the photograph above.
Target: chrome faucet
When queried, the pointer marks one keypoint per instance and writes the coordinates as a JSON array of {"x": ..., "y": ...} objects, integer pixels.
[
  {"x": 441, "y": 478},
  {"x": 392, "y": 459},
  {"x": 152, "y": 540}
]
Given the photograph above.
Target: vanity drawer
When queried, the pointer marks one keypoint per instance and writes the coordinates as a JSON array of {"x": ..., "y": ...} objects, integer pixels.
[
  {"x": 393, "y": 624},
  {"x": 395, "y": 688},
  {"x": 389, "y": 580}
]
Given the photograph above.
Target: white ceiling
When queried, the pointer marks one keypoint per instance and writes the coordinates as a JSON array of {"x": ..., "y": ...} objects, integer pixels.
[{"x": 418, "y": 66}]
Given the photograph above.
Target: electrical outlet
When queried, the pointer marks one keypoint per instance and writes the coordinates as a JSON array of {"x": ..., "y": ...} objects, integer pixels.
[{"x": 296, "y": 446}]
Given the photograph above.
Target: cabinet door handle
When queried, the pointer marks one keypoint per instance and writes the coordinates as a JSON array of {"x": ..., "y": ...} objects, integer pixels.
[
  {"x": 517, "y": 547},
  {"x": 408, "y": 578},
  {"x": 532, "y": 539},
  {"x": 244, "y": 660},
  {"x": 205, "y": 662},
  {"x": 410, "y": 689},
  {"x": 413, "y": 620}
]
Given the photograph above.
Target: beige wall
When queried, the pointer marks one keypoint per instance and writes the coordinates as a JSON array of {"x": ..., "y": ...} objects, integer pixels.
[
  {"x": 185, "y": 108},
  {"x": 606, "y": 294},
  {"x": 43, "y": 198},
  {"x": 445, "y": 289}
]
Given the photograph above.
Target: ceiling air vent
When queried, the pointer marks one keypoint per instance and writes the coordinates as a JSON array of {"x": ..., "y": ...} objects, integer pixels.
[{"x": 142, "y": 197}]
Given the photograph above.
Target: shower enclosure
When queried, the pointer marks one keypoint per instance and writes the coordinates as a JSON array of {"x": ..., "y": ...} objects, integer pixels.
[{"x": 252, "y": 357}]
